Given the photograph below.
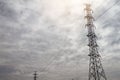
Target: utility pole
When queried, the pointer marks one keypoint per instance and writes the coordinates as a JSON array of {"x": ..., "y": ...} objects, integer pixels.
[
  {"x": 35, "y": 75},
  {"x": 96, "y": 71}
]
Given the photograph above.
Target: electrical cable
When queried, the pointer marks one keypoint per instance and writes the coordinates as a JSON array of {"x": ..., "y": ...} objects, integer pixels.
[
  {"x": 96, "y": 19},
  {"x": 52, "y": 59},
  {"x": 107, "y": 10}
]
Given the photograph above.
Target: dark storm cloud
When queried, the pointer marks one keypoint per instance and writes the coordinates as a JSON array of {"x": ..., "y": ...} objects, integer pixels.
[
  {"x": 6, "y": 69},
  {"x": 7, "y": 11}
]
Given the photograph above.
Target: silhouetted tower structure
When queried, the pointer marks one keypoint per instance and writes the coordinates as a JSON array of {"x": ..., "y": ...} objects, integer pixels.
[
  {"x": 96, "y": 71},
  {"x": 35, "y": 75}
]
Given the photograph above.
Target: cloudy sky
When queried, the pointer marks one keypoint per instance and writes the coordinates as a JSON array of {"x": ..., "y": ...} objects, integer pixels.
[{"x": 49, "y": 36}]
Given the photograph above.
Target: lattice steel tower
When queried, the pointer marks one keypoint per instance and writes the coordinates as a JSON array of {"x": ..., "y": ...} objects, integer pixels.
[
  {"x": 96, "y": 71},
  {"x": 35, "y": 75}
]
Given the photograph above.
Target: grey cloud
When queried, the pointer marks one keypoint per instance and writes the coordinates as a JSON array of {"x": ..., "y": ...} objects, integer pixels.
[
  {"x": 31, "y": 38},
  {"x": 7, "y": 11},
  {"x": 6, "y": 69}
]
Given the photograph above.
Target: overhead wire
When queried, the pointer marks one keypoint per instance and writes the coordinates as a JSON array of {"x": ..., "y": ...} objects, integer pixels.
[
  {"x": 46, "y": 68},
  {"x": 109, "y": 18},
  {"x": 107, "y": 10},
  {"x": 52, "y": 59},
  {"x": 99, "y": 6}
]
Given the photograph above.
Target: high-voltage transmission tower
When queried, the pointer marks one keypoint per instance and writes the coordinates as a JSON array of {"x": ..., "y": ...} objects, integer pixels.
[
  {"x": 96, "y": 71},
  {"x": 35, "y": 75}
]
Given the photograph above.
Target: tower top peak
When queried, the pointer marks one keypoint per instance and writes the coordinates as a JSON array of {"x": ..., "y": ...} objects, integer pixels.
[{"x": 88, "y": 4}]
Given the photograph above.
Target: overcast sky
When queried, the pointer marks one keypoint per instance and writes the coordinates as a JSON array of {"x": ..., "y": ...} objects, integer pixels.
[{"x": 49, "y": 36}]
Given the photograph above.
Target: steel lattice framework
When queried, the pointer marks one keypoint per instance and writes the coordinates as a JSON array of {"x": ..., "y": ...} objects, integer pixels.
[
  {"x": 35, "y": 75},
  {"x": 96, "y": 71}
]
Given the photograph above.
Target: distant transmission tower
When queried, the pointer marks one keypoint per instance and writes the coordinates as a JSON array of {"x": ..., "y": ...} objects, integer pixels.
[
  {"x": 35, "y": 75},
  {"x": 96, "y": 71}
]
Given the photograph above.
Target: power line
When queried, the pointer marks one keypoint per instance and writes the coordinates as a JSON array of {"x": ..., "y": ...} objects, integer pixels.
[
  {"x": 51, "y": 60},
  {"x": 107, "y": 20},
  {"x": 107, "y": 2},
  {"x": 107, "y": 10}
]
